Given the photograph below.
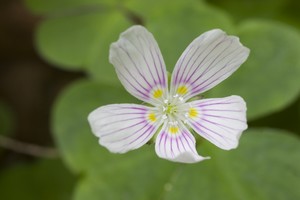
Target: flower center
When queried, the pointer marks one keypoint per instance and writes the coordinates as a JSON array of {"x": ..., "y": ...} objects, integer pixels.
[{"x": 171, "y": 108}]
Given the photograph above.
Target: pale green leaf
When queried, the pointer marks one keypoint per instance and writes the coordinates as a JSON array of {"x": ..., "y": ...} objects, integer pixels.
[
  {"x": 176, "y": 29},
  {"x": 77, "y": 144},
  {"x": 265, "y": 166},
  {"x": 53, "y": 7},
  {"x": 252, "y": 170},
  {"x": 269, "y": 79},
  {"x": 69, "y": 41}
]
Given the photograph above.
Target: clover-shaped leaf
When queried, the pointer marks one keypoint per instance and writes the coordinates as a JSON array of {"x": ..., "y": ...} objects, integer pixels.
[
  {"x": 269, "y": 80},
  {"x": 257, "y": 163}
]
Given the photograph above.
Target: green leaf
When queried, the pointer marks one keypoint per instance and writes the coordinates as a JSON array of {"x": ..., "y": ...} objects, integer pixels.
[
  {"x": 97, "y": 64},
  {"x": 61, "y": 6},
  {"x": 164, "y": 29},
  {"x": 77, "y": 144},
  {"x": 298, "y": 117},
  {"x": 131, "y": 176},
  {"x": 259, "y": 168},
  {"x": 176, "y": 25},
  {"x": 286, "y": 11},
  {"x": 147, "y": 12},
  {"x": 251, "y": 8},
  {"x": 69, "y": 41},
  {"x": 265, "y": 166},
  {"x": 45, "y": 179},
  {"x": 269, "y": 79},
  {"x": 250, "y": 171}
]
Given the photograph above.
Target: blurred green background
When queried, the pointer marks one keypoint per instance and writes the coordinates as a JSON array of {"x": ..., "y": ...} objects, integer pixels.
[{"x": 55, "y": 70}]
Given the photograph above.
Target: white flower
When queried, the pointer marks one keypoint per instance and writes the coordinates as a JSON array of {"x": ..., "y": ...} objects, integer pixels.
[{"x": 208, "y": 60}]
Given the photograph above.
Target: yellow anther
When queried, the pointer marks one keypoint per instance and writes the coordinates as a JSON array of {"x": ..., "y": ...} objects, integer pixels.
[
  {"x": 173, "y": 129},
  {"x": 152, "y": 117},
  {"x": 157, "y": 93},
  {"x": 182, "y": 90},
  {"x": 193, "y": 112}
]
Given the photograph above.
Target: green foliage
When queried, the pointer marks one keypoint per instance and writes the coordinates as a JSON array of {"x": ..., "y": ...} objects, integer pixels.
[
  {"x": 97, "y": 64},
  {"x": 70, "y": 41},
  {"x": 251, "y": 170},
  {"x": 70, "y": 124},
  {"x": 265, "y": 166},
  {"x": 180, "y": 21},
  {"x": 183, "y": 26},
  {"x": 76, "y": 36},
  {"x": 45, "y": 179},
  {"x": 66, "y": 6},
  {"x": 252, "y": 8},
  {"x": 269, "y": 80},
  {"x": 156, "y": 9},
  {"x": 80, "y": 40},
  {"x": 286, "y": 11}
]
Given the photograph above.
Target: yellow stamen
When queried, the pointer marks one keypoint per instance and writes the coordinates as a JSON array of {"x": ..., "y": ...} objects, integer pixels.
[
  {"x": 182, "y": 90},
  {"x": 193, "y": 112},
  {"x": 152, "y": 117},
  {"x": 157, "y": 93},
  {"x": 173, "y": 129}
]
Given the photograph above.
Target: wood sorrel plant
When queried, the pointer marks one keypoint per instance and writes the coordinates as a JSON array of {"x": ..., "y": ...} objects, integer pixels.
[{"x": 207, "y": 61}]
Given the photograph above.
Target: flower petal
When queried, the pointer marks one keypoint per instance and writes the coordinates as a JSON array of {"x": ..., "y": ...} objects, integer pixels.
[
  {"x": 219, "y": 120},
  {"x": 139, "y": 65},
  {"x": 123, "y": 127},
  {"x": 176, "y": 143},
  {"x": 208, "y": 60}
]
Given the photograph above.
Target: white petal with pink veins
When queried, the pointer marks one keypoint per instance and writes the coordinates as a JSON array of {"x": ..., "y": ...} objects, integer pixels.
[
  {"x": 139, "y": 65},
  {"x": 220, "y": 120},
  {"x": 207, "y": 61},
  {"x": 176, "y": 143},
  {"x": 123, "y": 127}
]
